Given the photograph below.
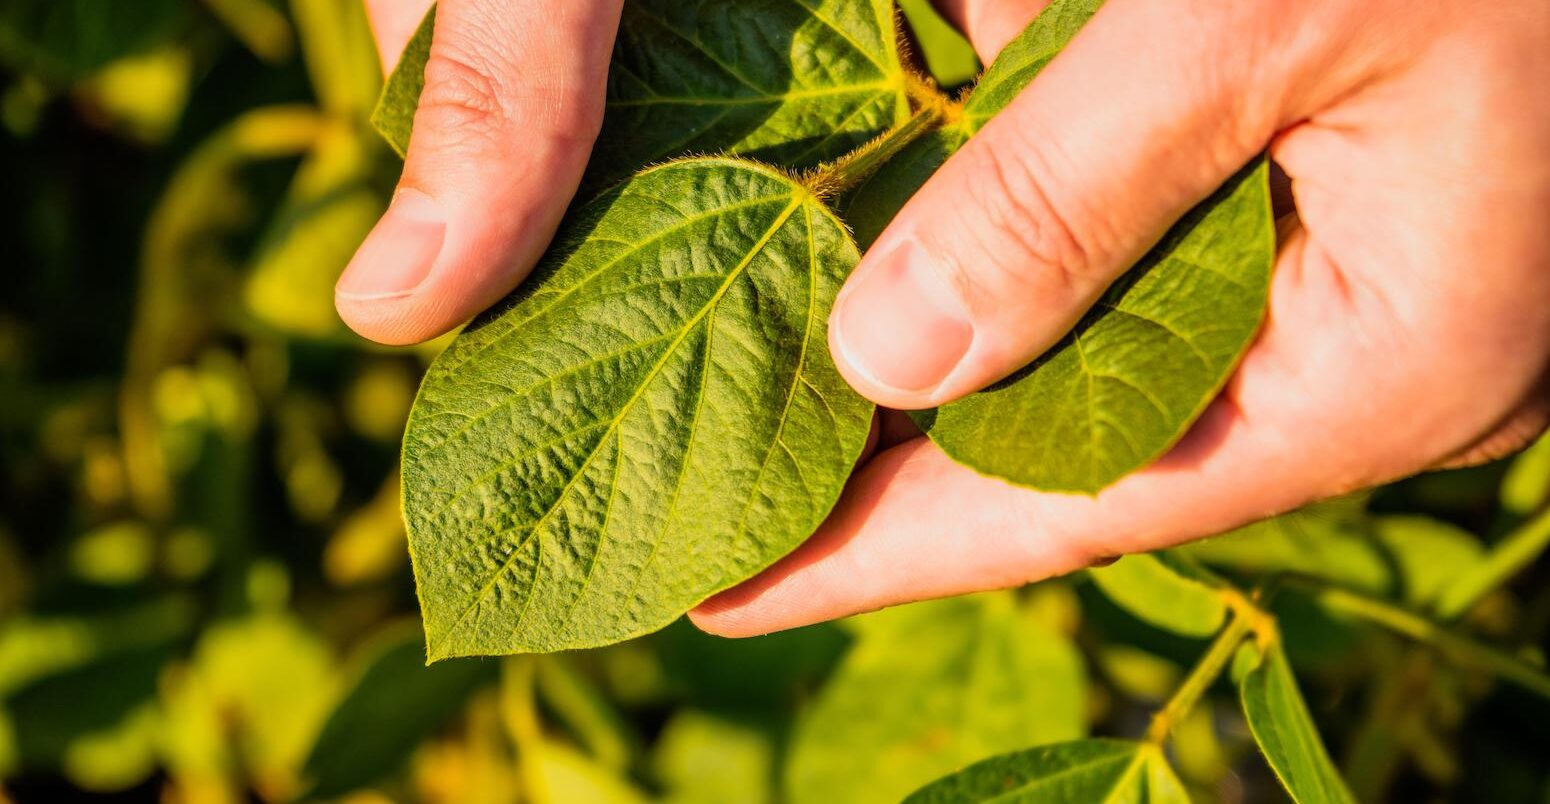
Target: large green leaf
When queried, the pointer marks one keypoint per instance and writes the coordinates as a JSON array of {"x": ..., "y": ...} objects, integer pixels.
[
  {"x": 1283, "y": 728},
  {"x": 1164, "y": 591},
  {"x": 1142, "y": 365},
  {"x": 66, "y": 40},
  {"x": 793, "y": 82},
  {"x": 652, "y": 418},
  {"x": 395, "y": 704},
  {"x": 1084, "y": 770},
  {"x": 929, "y": 688}
]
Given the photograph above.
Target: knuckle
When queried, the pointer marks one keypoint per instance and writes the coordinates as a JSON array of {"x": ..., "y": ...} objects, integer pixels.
[
  {"x": 1034, "y": 239},
  {"x": 461, "y": 94}
]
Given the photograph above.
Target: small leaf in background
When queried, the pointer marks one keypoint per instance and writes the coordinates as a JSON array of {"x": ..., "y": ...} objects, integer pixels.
[
  {"x": 792, "y": 83},
  {"x": 1526, "y": 488},
  {"x": 1284, "y": 729},
  {"x": 702, "y": 758},
  {"x": 653, "y": 418},
  {"x": 1164, "y": 591},
  {"x": 568, "y": 775},
  {"x": 1085, "y": 770},
  {"x": 928, "y": 688},
  {"x": 395, "y": 704}
]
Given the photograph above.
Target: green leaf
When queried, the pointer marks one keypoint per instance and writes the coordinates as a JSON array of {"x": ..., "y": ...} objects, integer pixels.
[
  {"x": 928, "y": 688},
  {"x": 1164, "y": 591},
  {"x": 1139, "y": 368},
  {"x": 1283, "y": 727},
  {"x": 949, "y": 57},
  {"x": 395, "y": 704},
  {"x": 1084, "y": 770},
  {"x": 1526, "y": 487},
  {"x": 791, "y": 82},
  {"x": 703, "y": 758},
  {"x": 65, "y": 40},
  {"x": 653, "y": 418}
]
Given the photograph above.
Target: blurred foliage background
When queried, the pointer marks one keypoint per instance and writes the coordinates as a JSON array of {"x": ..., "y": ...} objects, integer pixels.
[{"x": 204, "y": 591}]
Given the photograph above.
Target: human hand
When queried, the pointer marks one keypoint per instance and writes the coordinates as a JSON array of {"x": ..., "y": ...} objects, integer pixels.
[
  {"x": 1409, "y": 321},
  {"x": 513, "y": 100}
]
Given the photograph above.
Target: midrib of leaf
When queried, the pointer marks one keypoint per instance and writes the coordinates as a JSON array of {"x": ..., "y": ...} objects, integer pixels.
[
  {"x": 536, "y": 532},
  {"x": 850, "y": 40},
  {"x": 1043, "y": 782}
]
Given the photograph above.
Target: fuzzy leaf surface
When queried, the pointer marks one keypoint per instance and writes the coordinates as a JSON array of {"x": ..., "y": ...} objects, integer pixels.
[
  {"x": 790, "y": 82},
  {"x": 1084, "y": 770},
  {"x": 652, "y": 418}
]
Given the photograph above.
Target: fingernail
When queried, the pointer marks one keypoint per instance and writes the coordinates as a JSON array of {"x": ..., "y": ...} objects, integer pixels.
[
  {"x": 900, "y": 324},
  {"x": 399, "y": 252}
]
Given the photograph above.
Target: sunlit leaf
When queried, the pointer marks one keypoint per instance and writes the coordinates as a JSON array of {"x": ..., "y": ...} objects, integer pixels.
[
  {"x": 1085, "y": 770},
  {"x": 792, "y": 83},
  {"x": 395, "y": 703},
  {"x": 652, "y": 418},
  {"x": 1526, "y": 488},
  {"x": 947, "y": 54},
  {"x": 1283, "y": 727},
  {"x": 1164, "y": 591},
  {"x": 929, "y": 688}
]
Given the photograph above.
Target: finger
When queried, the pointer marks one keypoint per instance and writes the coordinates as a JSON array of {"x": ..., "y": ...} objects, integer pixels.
[
  {"x": 513, "y": 99},
  {"x": 1003, "y": 250},
  {"x": 393, "y": 23},
  {"x": 990, "y": 24},
  {"x": 1320, "y": 407}
]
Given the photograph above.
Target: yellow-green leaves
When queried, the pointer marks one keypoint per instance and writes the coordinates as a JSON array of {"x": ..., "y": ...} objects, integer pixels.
[
  {"x": 1139, "y": 368},
  {"x": 1084, "y": 770},
  {"x": 791, "y": 82},
  {"x": 929, "y": 688},
  {"x": 1283, "y": 728},
  {"x": 1164, "y": 591},
  {"x": 653, "y": 418}
]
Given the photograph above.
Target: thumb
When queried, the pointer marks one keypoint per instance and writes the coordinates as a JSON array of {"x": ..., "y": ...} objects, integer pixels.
[
  {"x": 513, "y": 99},
  {"x": 1002, "y": 251}
]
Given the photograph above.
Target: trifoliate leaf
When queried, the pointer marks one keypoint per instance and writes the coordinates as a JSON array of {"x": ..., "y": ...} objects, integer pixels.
[{"x": 652, "y": 418}]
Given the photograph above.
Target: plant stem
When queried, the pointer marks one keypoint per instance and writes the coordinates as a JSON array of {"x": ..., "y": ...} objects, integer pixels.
[
  {"x": 1419, "y": 628},
  {"x": 1200, "y": 678},
  {"x": 833, "y": 178},
  {"x": 1506, "y": 559}
]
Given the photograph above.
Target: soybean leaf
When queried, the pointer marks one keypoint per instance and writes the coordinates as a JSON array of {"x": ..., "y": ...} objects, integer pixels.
[
  {"x": 791, "y": 82},
  {"x": 1141, "y": 366},
  {"x": 928, "y": 688},
  {"x": 1164, "y": 591},
  {"x": 1526, "y": 486},
  {"x": 1084, "y": 770},
  {"x": 1284, "y": 729},
  {"x": 65, "y": 40},
  {"x": 652, "y": 418},
  {"x": 703, "y": 758},
  {"x": 395, "y": 703}
]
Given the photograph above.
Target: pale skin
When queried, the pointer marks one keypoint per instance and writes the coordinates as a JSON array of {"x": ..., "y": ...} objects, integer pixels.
[{"x": 1409, "y": 323}]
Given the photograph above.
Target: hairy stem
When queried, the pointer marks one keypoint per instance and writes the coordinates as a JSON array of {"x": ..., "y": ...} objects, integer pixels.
[
  {"x": 832, "y": 179},
  {"x": 1200, "y": 678}
]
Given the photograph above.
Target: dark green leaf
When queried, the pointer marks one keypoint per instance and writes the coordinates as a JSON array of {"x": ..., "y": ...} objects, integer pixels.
[
  {"x": 1085, "y": 770},
  {"x": 792, "y": 82},
  {"x": 928, "y": 688},
  {"x": 1164, "y": 591},
  {"x": 653, "y": 417},
  {"x": 65, "y": 40},
  {"x": 1283, "y": 728},
  {"x": 395, "y": 704}
]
